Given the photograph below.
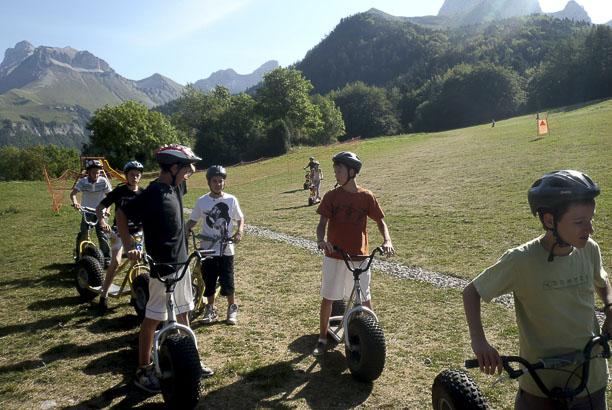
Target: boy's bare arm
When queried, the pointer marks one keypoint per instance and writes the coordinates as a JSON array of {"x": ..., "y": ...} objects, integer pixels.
[
  {"x": 124, "y": 232},
  {"x": 384, "y": 231},
  {"x": 605, "y": 294},
  {"x": 100, "y": 214},
  {"x": 73, "y": 199},
  {"x": 487, "y": 355},
  {"x": 237, "y": 237},
  {"x": 321, "y": 243},
  {"x": 190, "y": 224}
]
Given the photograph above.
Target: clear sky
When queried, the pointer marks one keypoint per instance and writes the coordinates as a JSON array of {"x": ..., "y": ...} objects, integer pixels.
[{"x": 187, "y": 40}]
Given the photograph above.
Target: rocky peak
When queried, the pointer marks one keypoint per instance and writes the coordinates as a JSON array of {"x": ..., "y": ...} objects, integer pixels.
[
  {"x": 503, "y": 8},
  {"x": 572, "y": 11},
  {"x": 14, "y": 56}
]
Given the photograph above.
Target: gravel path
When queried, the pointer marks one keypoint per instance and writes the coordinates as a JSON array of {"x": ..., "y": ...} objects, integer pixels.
[{"x": 388, "y": 267}]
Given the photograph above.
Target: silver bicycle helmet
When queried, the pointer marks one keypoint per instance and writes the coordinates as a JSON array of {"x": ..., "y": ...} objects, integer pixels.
[
  {"x": 133, "y": 165},
  {"x": 349, "y": 159},
  {"x": 214, "y": 171},
  {"x": 560, "y": 187},
  {"x": 94, "y": 163}
]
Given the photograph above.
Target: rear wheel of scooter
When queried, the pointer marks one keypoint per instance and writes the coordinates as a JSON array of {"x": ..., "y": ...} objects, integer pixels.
[
  {"x": 305, "y": 185},
  {"x": 310, "y": 201},
  {"x": 95, "y": 253},
  {"x": 367, "y": 351},
  {"x": 454, "y": 390},
  {"x": 181, "y": 372},
  {"x": 141, "y": 288},
  {"x": 88, "y": 272}
]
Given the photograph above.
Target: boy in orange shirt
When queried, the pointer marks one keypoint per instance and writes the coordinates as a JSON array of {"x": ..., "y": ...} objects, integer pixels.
[{"x": 347, "y": 209}]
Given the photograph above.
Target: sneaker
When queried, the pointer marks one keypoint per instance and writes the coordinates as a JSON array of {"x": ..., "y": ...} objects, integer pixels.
[
  {"x": 320, "y": 349},
  {"x": 232, "y": 314},
  {"x": 210, "y": 314},
  {"x": 206, "y": 371},
  {"x": 146, "y": 379},
  {"x": 102, "y": 306}
]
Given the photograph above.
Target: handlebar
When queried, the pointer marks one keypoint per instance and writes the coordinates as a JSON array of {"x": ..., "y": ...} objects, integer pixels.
[
  {"x": 348, "y": 258},
  {"x": 575, "y": 358}
]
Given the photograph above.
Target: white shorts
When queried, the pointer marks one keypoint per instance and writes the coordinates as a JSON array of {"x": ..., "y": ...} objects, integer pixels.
[
  {"x": 116, "y": 244},
  {"x": 183, "y": 297},
  {"x": 337, "y": 280}
]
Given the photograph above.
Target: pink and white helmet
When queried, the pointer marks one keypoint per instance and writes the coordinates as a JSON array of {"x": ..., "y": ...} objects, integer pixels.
[{"x": 174, "y": 153}]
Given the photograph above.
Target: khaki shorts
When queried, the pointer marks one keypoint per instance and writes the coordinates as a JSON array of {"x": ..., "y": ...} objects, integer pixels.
[
  {"x": 117, "y": 245},
  {"x": 183, "y": 298},
  {"x": 337, "y": 281}
]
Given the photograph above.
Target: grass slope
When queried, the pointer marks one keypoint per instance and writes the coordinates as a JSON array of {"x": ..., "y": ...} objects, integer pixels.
[{"x": 454, "y": 202}]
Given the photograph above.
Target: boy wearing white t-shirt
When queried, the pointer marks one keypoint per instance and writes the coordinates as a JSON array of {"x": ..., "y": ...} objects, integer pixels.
[{"x": 219, "y": 211}]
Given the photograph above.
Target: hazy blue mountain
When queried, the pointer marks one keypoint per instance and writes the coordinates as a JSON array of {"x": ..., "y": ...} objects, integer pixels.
[
  {"x": 160, "y": 89},
  {"x": 572, "y": 11},
  {"x": 235, "y": 82}
]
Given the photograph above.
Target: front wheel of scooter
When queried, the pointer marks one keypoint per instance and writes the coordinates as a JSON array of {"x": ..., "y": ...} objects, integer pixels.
[
  {"x": 88, "y": 273},
  {"x": 366, "y": 353},
  {"x": 141, "y": 290},
  {"x": 455, "y": 390},
  {"x": 180, "y": 367}
]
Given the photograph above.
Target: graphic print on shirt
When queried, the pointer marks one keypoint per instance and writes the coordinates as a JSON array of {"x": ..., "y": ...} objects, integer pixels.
[
  {"x": 348, "y": 213},
  {"x": 218, "y": 219}
]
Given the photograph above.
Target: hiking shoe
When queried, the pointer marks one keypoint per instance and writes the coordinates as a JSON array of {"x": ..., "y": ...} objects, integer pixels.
[
  {"x": 146, "y": 379},
  {"x": 320, "y": 349},
  {"x": 102, "y": 306},
  {"x": 232, "y": 314},
  {"x": 206, "y": 371},
  {"x": 210, "y": 314}
]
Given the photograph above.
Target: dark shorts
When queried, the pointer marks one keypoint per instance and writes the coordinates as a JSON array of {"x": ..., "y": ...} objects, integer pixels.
[
  {"x": 524, "y": 400},
  {"x": 221, "y": 267}
]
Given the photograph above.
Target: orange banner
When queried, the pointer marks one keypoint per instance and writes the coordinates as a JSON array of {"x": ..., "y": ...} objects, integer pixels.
[{"x": 542, "y": 127}]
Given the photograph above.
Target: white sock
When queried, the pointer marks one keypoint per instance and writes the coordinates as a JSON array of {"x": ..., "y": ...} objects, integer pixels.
[{"x": 324, "y": 341}]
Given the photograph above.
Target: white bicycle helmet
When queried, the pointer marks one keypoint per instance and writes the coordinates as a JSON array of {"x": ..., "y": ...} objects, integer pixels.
[{"x": 175, "y": 154}]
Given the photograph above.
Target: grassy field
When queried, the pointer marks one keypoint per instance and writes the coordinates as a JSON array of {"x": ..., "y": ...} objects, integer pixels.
[{"x": 454, "y": 202}]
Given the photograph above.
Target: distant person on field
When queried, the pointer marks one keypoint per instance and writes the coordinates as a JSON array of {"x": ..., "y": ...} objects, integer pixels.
[
  {"x": 553, "y": 279},
  {"x": 120, "y": 196},
  {"x": 310, "y": 164},
  {"x": 160, "y": 211},
  {"x": 218, "y": 211},
  {"x": 316, "y": 176},
  {"x": 346, "y": 209},
  {"x": 93, "y": 188}
]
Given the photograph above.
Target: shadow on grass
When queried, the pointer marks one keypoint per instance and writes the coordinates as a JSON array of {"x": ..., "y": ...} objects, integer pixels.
[
  {"x": 55, "y": 303},
  {"x": 294, "y": 191},
  {"x": 293, "y": 207},
  {"x": 323, "y": 384},
  {"x": 62, "y": 278},
  {"x": 42, "y": 324}
]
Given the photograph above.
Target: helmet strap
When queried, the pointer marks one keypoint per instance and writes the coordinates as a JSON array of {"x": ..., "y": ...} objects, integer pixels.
[{"x": 559, "y": 241}]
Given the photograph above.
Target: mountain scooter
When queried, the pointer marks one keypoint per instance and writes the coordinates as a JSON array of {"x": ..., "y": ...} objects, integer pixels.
[
  {"x": 358, "y": 326},
  {"x": 175, "y": 349},
  {"x": 89, "y": 259},
  {"x": 454, "y": 389}
]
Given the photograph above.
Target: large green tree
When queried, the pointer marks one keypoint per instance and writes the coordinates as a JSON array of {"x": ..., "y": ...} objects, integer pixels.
[
  {"x": 468, "y": 95},
  {"x": 285, "y": 96},
  {"x": 366, "y": 111},
  {"x": 130, "y": 131}
]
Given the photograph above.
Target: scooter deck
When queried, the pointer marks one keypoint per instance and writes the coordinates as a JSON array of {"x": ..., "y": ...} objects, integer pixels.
[{"x": 113, "y": 290}]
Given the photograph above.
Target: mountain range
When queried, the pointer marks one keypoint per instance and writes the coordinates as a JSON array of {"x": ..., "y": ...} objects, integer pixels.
[{"x": 51, "y": 91}]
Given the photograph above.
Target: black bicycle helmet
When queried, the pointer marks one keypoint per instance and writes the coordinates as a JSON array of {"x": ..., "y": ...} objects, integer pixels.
[
  {"x": 94, "y": 163},
  {"x": 215, "y": 171},
  {"x": 560, "y": 187},
  {"x": 133, "y": 165},
  {"x": 349, "y": 159},
  {"x": 175, "y": 154}
]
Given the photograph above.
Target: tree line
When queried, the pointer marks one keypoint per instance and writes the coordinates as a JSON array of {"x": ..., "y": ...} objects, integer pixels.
[{"x": 369, "y": 78}]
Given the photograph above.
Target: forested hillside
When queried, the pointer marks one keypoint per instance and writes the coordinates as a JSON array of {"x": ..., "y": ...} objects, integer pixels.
[{"x": 441, "y": 79}]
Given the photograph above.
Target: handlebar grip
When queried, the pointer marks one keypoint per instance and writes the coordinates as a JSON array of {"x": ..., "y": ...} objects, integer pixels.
[{"x": 471, "y": 364}]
